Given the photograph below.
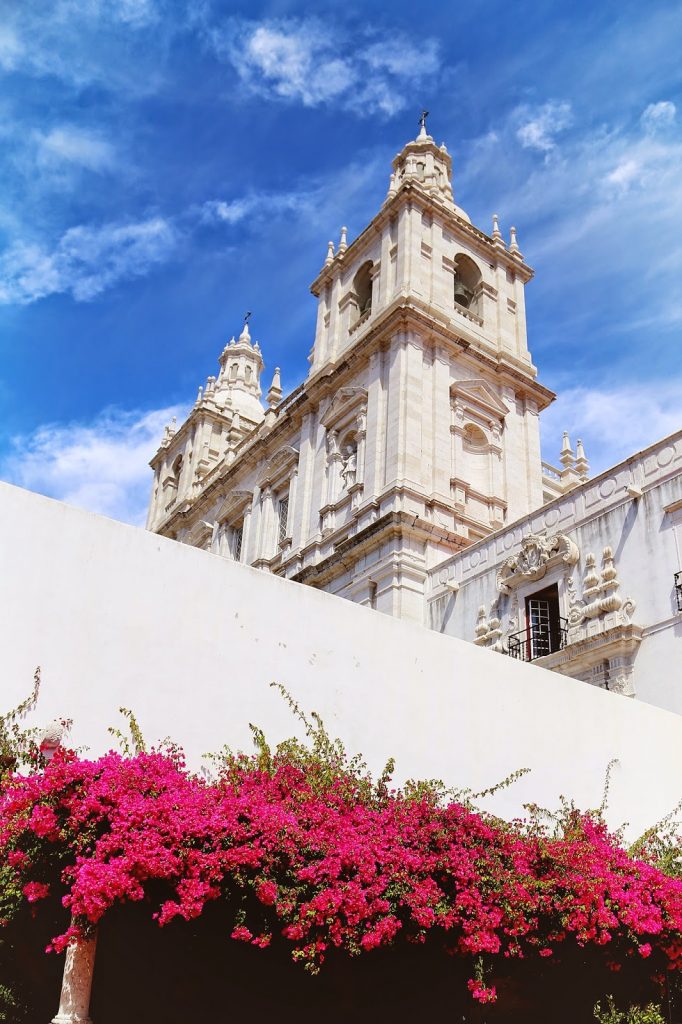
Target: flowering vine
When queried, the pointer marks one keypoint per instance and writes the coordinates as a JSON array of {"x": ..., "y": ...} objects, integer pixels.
[{"x": 332, "y": 859}]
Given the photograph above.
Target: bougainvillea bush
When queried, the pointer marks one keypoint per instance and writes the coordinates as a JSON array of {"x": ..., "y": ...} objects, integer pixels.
[{"x": 304, "y": 846}]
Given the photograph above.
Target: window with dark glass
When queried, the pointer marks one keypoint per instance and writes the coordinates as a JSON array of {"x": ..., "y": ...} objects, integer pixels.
[
  {"x": 545, "y": 629},
  {"x": 282, "y": 516}
]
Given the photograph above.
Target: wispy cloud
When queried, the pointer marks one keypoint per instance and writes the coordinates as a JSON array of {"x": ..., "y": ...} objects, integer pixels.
[
  {"x": 85, "y": 261},
  {"x": 256, "y": 206},
  {"x": 81, "y": 42},
  {"x": 101, "y": 466},
  {"x": 70, "y": 145},
  {"x": 11, "y": 49},
  {"x": 317, "y": 63},
  {"x": 538, "y": 126},
  {"x": 659, "y": 115},
  {"x": 599, "y": 221},
  {"x": 613, "y": 422}
]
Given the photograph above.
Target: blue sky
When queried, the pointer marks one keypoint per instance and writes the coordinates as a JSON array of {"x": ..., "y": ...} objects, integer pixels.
[{"x": 166, "y": 166}]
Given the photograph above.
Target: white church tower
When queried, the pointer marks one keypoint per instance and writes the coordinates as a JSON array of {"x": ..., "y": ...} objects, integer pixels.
[{"x": 416, "y": 431}]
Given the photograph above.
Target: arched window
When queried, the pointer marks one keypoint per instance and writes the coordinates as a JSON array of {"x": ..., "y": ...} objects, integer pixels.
[
  {"x": 475, "y": 439},
  {"x": 247, "y": 374},
  {"x": 177, "y": 470},
  {"x": 233, "y": 371},
  {"x": 362, "y": 286},
  {"x": 467, "y": 281},
  {"x": 476, "y": 469}
]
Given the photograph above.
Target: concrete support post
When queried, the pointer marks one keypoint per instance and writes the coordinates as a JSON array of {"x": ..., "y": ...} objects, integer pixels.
[{"x": 74, "y": 1002}]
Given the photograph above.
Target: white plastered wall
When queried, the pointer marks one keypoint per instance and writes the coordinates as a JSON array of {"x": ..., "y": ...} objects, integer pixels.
[{"x": 190, "y": 641}]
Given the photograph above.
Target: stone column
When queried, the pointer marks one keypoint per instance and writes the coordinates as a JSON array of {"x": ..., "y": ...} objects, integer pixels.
[
  {"x": 74, "y": 1002},
  {"x": 361, "y": 439},
  {"x": 246, "y": 532},
  {"x": 267, "y": 545},
  {"x": 296, "y": 541}
]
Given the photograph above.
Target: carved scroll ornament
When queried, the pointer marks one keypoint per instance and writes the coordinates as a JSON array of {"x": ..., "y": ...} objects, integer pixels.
[{"x": 538, "y": 554}]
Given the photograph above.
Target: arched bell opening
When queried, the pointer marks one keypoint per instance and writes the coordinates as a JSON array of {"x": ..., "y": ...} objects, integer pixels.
[{"x": 467, "y": 281}]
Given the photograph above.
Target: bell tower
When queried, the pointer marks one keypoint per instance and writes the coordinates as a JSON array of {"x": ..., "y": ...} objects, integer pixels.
[{"x": 421, "y": 276}]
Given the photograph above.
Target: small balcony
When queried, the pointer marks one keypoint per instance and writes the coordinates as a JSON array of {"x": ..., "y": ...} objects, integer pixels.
[
  {"x": 678, "y": 590},
  {"x": 538, "y": 640}
]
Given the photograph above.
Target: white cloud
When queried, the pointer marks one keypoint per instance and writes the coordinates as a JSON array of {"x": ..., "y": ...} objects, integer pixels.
[
  {"x": 624, "y": 175},
  {"x": 71, "y": 145},
  {"x": 539, "y": 125},
  {"x": 10, "y": 48},
  {"x": 256, "y": 206},
  {"x": 316, "y": 63},
  {"x": 659, "y": 115},
  {"x": 111, "y": 42},
  {"x": 85, "y": 261},
  {"x": 613, "y": 422},
  {"x": 101, "y": 466},
  {"x": 599, "y": 222}
]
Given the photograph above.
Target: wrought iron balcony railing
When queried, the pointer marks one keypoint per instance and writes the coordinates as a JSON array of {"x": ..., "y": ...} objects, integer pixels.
[
  {"x": 678, "y": 590},
  {"x": 538, "y": 640}
]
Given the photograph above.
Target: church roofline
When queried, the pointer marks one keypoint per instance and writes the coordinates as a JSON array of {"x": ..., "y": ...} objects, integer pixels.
[{"x": 207, "y": 412}]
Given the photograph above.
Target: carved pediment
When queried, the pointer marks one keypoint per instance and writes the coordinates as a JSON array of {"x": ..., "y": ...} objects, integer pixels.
[
  {"x": 538, "y": 554},
  {"x": 279, "y": 464},
  {"x": 478, "y": 394},
  {"x": 234, "y": 501},
  {"x": 346, "y": 401}
]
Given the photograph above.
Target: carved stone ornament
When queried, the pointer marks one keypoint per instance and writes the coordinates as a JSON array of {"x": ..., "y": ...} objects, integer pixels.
[
  {"x": 600, "y": 597},
  {"x": 538, "y": 554}
]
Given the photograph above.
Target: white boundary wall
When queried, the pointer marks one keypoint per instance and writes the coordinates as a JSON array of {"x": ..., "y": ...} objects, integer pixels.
[{"x": 188, "y": 640}]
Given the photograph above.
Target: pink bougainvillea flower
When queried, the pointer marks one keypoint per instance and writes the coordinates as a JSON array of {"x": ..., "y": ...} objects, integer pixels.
[
  {"x": 329, "y": 860},
  {"x": 34, "y": 891}
]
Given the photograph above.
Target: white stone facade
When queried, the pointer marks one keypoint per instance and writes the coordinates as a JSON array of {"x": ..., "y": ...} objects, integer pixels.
[
  {"x": 405, "y": 473},
  {"x": 610, "y": 549},
  {"x": 415, "y": 433}
]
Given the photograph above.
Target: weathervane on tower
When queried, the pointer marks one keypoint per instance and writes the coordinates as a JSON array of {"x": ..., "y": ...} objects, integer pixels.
[{"x": 422, "y": 123}]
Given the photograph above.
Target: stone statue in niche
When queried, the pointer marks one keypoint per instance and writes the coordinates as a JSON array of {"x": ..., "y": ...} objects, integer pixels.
[{"x": 349, "y": 470}]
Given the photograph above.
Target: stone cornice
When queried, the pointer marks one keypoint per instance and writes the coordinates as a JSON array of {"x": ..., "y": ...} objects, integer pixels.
[
  {"x": 590, "y": 651},
  {"x": 392, "y": 524}
]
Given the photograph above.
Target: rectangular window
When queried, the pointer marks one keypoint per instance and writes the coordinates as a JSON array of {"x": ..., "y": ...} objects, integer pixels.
[
  {"x": 237, "y": 537},
  {"x": 544, "y": 632},
  {"x": 282, "y": 518}
]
